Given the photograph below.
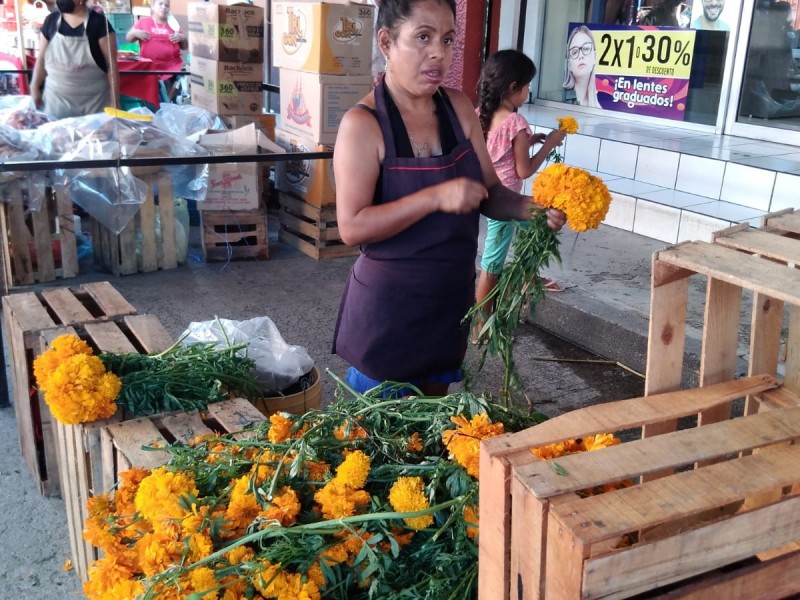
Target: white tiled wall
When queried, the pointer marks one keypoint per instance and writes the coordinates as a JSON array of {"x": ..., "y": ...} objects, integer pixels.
[
  {"x": 617, "y": 158},
  {"x": 656, "y": 221},
  {"x": 700, "y": 176},
  {"x": 786, "y": 193},
  {"x": 659, "y": 167},
  {"x": 748, "y": 186},
  {"x": 582, "y": 151}
]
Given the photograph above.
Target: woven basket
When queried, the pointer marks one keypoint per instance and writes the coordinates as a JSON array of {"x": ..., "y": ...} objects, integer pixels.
[{"x": 296, "y": 404}]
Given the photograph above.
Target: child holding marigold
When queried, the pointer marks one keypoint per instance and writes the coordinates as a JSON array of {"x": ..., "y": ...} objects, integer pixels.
[{"x": 503, "y": 88}]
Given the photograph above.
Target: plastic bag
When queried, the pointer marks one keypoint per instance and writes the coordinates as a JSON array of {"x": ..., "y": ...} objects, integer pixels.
[{"x": 278, "y": 364}]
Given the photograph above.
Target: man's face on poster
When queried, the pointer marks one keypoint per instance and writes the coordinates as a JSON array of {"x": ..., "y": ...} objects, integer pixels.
[{"x": 713, "y": 9}]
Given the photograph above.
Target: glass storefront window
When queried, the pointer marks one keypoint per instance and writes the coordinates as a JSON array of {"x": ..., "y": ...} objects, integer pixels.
[
  {"x": 771, "y": 85},
  {"x": 699, "y": 100}
]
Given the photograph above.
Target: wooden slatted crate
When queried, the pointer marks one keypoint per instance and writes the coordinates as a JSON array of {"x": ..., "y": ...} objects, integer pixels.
[
  {"x": 118, "y": 446},
  {"x": 234, "y": 235},
  {"x": 37, "y": 246},
  {"x": 149, "y": 241},
  {"x": 311, "y": 229},
  {"x": 78, "y": 447},
  {"x": 25, "y": 316},
  {"x": 692, "y": 532},
  {"x": 741, "y": 260}
]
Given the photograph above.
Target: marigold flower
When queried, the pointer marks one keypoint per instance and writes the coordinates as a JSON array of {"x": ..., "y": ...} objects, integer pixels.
[
  {"x": 104, "y": 574},
  {"x": 350, "y": 431},
  {"x": 61, "y": 348},
  {"x": 414, "y": 443},
  {"x": 80, "y": 390},
  {"x": 243, "y": 506},
  {"x": 284, "y": 507},
  {"x": 471, "y": 519},
  {"x": 354, "y": 470},
  {"x": 317, "y": 470},
  {"x": 583, "y": 197},
  {"x": 204, "y": 579},
  {"x": 568, "y": 124},
  {"x": 601, "y": 440},
  {"x": 463, "y": 442},
  {"x": 406, "y": 495},
  {"x": 337, "y": 500},
  {"x": 280, "y": 428},
  {"x": 159, "y": 494},
  {"x": 158, "y": 551}
]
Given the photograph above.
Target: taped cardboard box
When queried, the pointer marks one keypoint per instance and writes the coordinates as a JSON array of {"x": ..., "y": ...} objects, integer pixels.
[
  {"x": 323, "y": 37},
  {"x": 236, "y": 186},
  {"x": 312, "y": 105},
  {"x": 311, "y": 180},
  {"x": 226, "y": 33},
  {"x": 226, "y": 88},
  {"x": 264, "y": 121}
]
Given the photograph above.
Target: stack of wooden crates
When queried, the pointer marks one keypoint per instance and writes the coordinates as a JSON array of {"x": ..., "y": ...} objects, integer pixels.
[
  {"x": 709, "y": 509},
  {"x": 227, "y": 48},
  {"x": 324, "y": 71}
]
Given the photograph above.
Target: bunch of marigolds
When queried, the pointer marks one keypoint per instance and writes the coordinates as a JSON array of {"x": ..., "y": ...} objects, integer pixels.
[{"x": 345, "y": 502}]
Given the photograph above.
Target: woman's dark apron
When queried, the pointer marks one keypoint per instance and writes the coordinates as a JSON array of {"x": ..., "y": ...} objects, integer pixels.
[{"x": 402, "y": 312}]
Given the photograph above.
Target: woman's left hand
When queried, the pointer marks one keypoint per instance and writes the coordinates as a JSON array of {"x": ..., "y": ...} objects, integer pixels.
[
  {"x": 177, "y": 38},
  {"x": 556, "y": 219}
]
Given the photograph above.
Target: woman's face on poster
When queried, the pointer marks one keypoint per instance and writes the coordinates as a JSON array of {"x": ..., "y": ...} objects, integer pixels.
[{"x": 581, "y": 55}]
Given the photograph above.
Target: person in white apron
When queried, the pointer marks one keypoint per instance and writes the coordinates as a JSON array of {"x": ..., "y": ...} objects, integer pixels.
[{"x": 74, "y": 84}]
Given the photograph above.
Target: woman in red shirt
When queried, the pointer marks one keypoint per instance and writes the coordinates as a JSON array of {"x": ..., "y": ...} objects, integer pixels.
[{"x": 161, "y": 40}]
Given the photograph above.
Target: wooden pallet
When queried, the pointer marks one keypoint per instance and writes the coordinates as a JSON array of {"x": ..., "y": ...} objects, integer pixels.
[
  {"x": 37, "y": 246},
  {"x": 25, "y": 316},
  {"x": 78, "y": 446},
  {"x": 148, "y": 242},
  {"x": 311, "y": 229},
  {"x": 234, "y": 235},
  {"x": 696, "y": 533}
]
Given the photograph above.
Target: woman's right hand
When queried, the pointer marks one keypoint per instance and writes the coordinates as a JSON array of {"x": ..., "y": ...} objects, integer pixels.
[
  {"x": 461, "y": 195},
  {"x": 139, "y": 34}
]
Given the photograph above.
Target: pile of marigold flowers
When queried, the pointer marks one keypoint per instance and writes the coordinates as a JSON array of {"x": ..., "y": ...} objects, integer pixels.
[{"x": 348, "y": 502}]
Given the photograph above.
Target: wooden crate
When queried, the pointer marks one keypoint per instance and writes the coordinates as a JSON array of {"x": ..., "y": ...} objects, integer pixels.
[
  {"x": 110, "y": 448},
  {"x": 311, "y": 229},
  {"x": 25, "y": 316},
  {"x": 699, "y": 530},
  {"x": 37, "y": 246},
  {"x": 234, "y": 234},
  {"x": 148, "y": 242},
  {"x": 78, "y": 446},
  {"x": 740, "y": 260}
]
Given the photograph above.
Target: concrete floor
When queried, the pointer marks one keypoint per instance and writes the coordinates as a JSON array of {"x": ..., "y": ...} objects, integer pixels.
[{"x": 301, "y": 296}]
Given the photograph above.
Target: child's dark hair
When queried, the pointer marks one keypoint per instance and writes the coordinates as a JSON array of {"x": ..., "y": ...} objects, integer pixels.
[
  {"x": 393, "y": 12},
  {"x": 504, "y": 71}
]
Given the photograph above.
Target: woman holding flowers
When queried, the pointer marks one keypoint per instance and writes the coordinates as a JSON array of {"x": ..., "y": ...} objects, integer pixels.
[
  {"x": 413, "y": 177},
  {"x": 503, "y": 88}
]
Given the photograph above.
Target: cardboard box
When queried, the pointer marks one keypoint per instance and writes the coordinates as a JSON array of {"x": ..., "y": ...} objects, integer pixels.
[
  {"x": 226, "y": 33},
  {"x": 322, "y": 37},
  {"x": 265, "y": 122},
  {"x": 226, "y": 88},
  {"x": 311, "y": 180},
  {"x": 312, "y": 105},
  {"x": 236, "y": 186}
]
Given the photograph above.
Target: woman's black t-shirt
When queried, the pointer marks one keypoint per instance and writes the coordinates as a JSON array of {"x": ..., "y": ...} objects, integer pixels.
[{"x": 97, "y": 28}]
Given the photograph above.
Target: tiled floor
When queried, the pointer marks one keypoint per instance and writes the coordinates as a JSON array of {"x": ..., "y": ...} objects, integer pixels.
[{"x": 675, "y": 185}]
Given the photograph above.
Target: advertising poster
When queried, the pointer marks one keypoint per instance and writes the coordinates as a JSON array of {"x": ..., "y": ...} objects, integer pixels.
[{"x": 641, "y": 70}]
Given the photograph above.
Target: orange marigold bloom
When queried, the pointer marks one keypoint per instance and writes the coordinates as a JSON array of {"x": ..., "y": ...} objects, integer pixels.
[
  {"x": 414, "y": 443},
  {"x": 568, "y": 124},
  {"x": 127, "y": 487},
  {"x": 243, "y": 506},
  {"x": 350, "y": 431},
  {"x": 203, "y": 579},
  {"x": 354, "y": 470},
  {"x": 406, "y": 495},
  {"x": 317, "y": 470},
  {"x": 104, "y": 574},
  {"x": 284, "y": 507},
  {"x": 338, "y": 500},
  {"x": 80, "y": 390},
  {"x": 582, "y": 196},
  {"x": 464, "y": 441},
  {"x": 159, "y": 494},
  {"x": 471, "y": 519},
  {"x": 159, "y": 551},
  {"x": 280, "y": 428},
  {"x": 61, "y": 348}
]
